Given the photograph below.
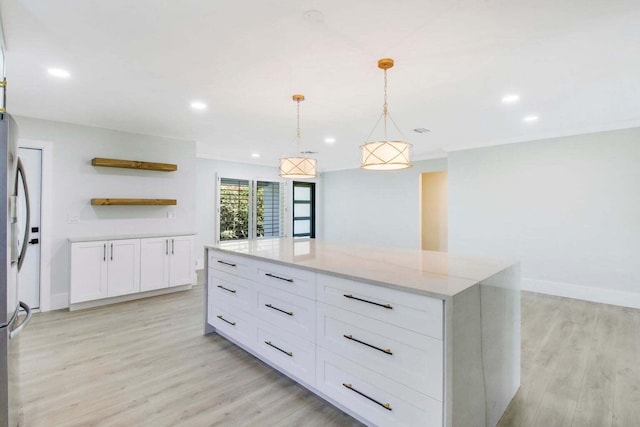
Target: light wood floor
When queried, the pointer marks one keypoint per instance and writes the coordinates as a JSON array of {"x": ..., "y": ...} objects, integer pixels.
[{"x": 146, "y": 363}]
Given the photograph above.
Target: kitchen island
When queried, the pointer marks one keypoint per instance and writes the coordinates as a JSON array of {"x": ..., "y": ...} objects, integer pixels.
[{"x": 390, "y": 336}]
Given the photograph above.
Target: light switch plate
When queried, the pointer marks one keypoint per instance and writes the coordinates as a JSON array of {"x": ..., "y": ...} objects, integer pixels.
[{"x": 73, "y": 219}]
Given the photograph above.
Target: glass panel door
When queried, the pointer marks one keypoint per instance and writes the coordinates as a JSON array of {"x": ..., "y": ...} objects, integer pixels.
[
  {"x": 304, "y": 223},
  {"x": 269, "y": 208}
]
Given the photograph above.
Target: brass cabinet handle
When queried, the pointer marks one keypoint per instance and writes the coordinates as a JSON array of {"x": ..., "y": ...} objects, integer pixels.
[
  {"x": 227, "y": 263},
  {"x": 227, "y": 289},
  {"x": 386, "y": 406},
  {"x": 225, "y": 320},
  {"x": 290, "y": 313},
  {"x": 384, "y": 350},
  {"x": 368, "y": 302},
  {"x": 288, "y": 353},
  {"x": 278, "y": 277}
]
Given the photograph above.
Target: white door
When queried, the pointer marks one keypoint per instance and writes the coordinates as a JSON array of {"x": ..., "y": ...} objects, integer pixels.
[
  {"x": 154, "y": 263},
  {"x": 29, "y": 276},
  {"x": 123, "y": 273},
  {"x": 182, "y": 265}
]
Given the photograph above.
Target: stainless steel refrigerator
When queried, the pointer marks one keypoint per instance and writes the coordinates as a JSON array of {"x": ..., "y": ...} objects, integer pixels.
[{"x": 14, "y": 314}]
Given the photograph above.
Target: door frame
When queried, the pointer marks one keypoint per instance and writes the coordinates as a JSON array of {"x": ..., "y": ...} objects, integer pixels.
[{"x": 46, "y": 217}]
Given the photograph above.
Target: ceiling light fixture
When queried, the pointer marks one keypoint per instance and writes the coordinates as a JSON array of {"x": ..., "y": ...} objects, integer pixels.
[
  {"x": 530, "y": 119},
  {"x": 329, "y": 140},
  {"x": 255, "y": 155},
  {"x": 59, "y": 72},
  {"x": 197, "y": 105},
  {"x": 298, "y": 167},
  {"x": 510, "y": 99},
  {"x": 385, "y": 154}
]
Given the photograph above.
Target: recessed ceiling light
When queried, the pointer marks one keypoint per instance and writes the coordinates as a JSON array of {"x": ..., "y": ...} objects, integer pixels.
[
  {"x": 255, "y": 155},
  {"x": 421, "y": 130},
  {"x": 511, "y": 98},
  {"x": 59, "y": 72},
  {"x": 197, "y": 105},
  {"x": 531, "y": 118},
  {"x": 329, "y": 140}
]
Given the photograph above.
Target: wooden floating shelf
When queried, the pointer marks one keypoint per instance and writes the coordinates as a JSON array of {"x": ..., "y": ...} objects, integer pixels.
[
  {"x": 134, "y": 202},
  {"x": 134, "y": 164}
]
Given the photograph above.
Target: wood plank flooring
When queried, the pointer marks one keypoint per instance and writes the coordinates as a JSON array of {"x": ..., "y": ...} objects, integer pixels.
[{"x": 147, "y": 363}]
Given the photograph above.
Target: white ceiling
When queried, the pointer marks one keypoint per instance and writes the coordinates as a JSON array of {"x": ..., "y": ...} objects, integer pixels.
[{"x": 137, "y": 65}]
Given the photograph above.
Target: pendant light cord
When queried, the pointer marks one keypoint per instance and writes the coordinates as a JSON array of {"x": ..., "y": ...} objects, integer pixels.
[
  {"x": 385, "y": 109},
  {"x": 298, "y": 129}
]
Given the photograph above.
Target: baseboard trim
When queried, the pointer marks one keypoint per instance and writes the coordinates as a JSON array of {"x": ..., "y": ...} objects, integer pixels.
[
  {"x": 59, "y": 301},
  {"x": 125, "y": 298},
  {"x": 586, "y": 293}
]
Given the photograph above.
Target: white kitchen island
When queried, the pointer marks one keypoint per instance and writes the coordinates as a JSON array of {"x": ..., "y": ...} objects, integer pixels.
[{"x": 393, "y": 337}]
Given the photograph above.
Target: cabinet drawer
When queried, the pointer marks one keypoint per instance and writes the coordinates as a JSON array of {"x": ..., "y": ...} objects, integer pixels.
[
  {"x": 227, "y": 290},
  {"x": 418, "y": 313},
  {"x": 293, "y": 280},
  {"x": 379, "y": 400},
  {"x": 237, "y": 265},
  {"x": 288, "y": 352},
  {"x": 412, "y": 359},
  {"x": 234, "y": 324},
  {"x": 288, "y": 312}
]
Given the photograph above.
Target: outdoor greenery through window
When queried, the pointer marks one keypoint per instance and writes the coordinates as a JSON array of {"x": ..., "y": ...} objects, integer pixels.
[{"x": 249, "y": 209}]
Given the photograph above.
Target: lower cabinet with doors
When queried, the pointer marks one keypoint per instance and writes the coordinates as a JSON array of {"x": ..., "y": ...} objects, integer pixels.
[
  {"x": 102, "y": 269},
  {"x": 384, "y": 353}
]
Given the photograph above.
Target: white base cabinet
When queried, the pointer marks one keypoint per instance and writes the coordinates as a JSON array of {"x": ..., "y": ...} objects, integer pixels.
[
  {"x": 111, "y": 268},
  {"x": 386, "y": 355},
  {"x": 104, "y": 269},
  {"x": 166, "y": 262}
]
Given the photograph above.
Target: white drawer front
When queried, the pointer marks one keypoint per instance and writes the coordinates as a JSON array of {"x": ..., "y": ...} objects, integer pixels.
[
  {"x": 234, "y": 323},
  {"x": 409, "y": 358},
  {"x": 234, "y": 264},
  {"x": 411, "y": 311},
  {"x": 227, "y": 290},
  {"x": 293, "y": 280},
  {"x": 367, "y": 393},
  {"x": 288, "y": 312},
  {"x": 288, "y": 352}
]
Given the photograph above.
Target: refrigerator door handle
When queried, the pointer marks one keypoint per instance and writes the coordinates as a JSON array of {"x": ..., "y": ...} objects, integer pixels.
[
  {"x": 23, "y": 178},
  {"x": 14, "y": 333}
]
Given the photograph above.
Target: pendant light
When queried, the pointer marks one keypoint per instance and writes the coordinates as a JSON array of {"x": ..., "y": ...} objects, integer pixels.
[
  {"x": 385, "y": 154},
  {"x": 298, "y": 167}
]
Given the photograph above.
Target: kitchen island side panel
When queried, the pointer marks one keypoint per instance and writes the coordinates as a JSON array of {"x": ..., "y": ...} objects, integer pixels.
[{"x": 483, "y": 372}]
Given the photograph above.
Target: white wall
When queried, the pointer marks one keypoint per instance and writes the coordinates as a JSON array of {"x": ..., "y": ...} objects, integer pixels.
[
  {"x": 75, "y": 182},
  {"x": 567, "y": 208},
  {"x": 374, "y": 207}
]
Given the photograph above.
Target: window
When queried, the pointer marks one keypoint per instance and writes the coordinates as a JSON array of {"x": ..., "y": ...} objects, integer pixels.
[
  {"x": 304, "y": 208},
  {"x": 234, "y": 209},
  {"x": 249, "y": 209}
]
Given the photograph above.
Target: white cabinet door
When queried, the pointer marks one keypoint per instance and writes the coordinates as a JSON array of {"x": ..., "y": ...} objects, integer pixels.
[
  {"x": 154, "y": 263},
  {"x": 88, "y": 271},
  {"x": 181, "y": 256},
  {"x": 124, "y": 267}
]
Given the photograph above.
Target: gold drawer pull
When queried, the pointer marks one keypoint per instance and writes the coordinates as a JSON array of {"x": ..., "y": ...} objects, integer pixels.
[
  {"x": 368, "y": 302},
  {"x": 386, "y": 406},
  {"x": 288, "y": 353},
  {"x": 384, "y": 350},
  {"x": 225, "y": 320},
  {"x": 227, "y": 289},
  {"x": 290, "y": 313}
]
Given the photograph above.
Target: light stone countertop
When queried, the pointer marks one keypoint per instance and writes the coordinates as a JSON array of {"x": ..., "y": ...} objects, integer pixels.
[
  {"x": 127, "y": 236},
  {"x": 437, "y": 274}
]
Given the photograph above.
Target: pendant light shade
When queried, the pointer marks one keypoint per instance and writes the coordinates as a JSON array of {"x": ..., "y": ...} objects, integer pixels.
[
  {"x": 298, "y": 167},
  {"x": 385, "y": 154}
]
